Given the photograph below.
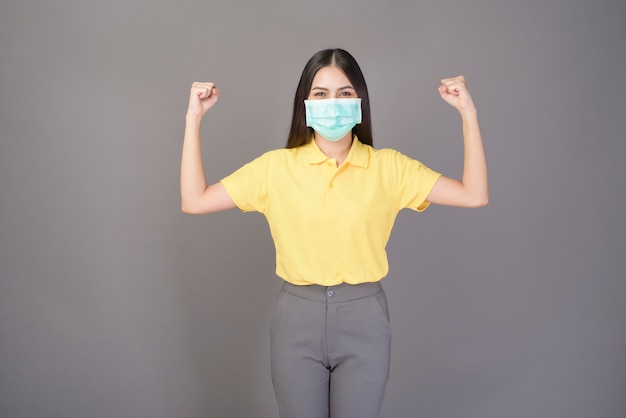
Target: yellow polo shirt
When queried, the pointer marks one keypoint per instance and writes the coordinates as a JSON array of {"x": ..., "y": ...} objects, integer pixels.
[{"x": 331, "y": 224}]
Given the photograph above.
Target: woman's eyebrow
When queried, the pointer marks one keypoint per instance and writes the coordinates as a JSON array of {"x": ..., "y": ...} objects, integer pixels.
[{"x": 340, "y": 88}]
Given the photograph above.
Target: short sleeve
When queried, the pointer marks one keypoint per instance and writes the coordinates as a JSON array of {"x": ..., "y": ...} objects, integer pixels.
[
  {"x": 248, "y": 186},
  {"x": 413, "y": 181}
]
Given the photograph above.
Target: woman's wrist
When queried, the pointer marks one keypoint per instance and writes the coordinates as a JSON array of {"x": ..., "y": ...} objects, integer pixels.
[
  {"x": 469, "y": 113},
  {"x": 193, "y": 118}
]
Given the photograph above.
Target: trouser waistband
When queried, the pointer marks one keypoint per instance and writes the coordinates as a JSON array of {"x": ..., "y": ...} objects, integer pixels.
[{"x": 339, "y": 293}]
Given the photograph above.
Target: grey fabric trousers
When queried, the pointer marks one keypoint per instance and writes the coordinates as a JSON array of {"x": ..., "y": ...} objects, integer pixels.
[{"x": 330, "y": 350}]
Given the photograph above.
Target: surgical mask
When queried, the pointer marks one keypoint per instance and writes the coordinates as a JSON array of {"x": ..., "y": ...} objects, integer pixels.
[{"x": 333, "y": 118}]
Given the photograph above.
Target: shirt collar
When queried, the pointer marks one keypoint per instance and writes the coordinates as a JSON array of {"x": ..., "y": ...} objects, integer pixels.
[{"x": 358, "y": 155}]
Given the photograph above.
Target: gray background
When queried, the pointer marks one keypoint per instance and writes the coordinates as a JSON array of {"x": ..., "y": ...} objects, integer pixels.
[{"x": 115, "y": 304}]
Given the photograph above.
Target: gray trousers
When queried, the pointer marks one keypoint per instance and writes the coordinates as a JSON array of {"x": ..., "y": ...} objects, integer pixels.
[{"x": 330, "y": 350}]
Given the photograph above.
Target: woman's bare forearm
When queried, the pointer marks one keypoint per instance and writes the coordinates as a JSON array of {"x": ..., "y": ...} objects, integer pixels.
[
  {"x": 192, "y": 180},
  {"x": 474, "y": 162}
]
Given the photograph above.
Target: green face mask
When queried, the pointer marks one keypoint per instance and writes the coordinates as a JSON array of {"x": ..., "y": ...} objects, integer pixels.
[{"x": 333, "y": 118}]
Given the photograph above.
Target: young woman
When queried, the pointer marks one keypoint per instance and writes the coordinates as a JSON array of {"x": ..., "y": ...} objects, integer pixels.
[{"x": 331, "y": 200}]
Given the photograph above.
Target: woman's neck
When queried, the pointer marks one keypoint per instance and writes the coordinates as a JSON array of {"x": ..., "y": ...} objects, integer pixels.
[{"x": 338, "y": 150}]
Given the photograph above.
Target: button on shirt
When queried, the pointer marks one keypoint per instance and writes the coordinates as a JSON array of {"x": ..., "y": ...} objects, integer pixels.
[{"x": 331, "y": 224}]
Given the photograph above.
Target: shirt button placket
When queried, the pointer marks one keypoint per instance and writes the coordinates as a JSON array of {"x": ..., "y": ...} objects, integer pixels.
[{"x": 331, "y": 172}]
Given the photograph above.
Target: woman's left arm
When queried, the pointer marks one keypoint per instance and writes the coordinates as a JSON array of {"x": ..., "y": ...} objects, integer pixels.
[{"x": 472, "y": 190}]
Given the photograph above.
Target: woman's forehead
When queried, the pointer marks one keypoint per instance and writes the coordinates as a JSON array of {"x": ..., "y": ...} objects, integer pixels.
[{"x": 330, "y": 76}]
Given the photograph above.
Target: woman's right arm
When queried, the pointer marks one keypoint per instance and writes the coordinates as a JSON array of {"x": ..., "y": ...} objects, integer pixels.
[{"x": 196, "y": 197}]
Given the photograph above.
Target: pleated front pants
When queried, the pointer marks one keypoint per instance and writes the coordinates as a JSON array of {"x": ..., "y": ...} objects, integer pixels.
[{"x": 330, "y": 350}]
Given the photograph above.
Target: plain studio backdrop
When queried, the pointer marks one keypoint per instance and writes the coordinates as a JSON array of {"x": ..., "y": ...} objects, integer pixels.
[{"x": 115, "y": 304}]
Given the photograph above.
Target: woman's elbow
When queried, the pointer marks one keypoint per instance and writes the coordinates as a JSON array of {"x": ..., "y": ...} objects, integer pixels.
[
  {"x": 189, "y": 208},
  {"x": 480, "y": 201}
]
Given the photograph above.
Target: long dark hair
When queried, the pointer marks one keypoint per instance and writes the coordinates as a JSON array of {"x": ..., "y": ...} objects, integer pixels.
[{"x": 300, "y": 134}]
